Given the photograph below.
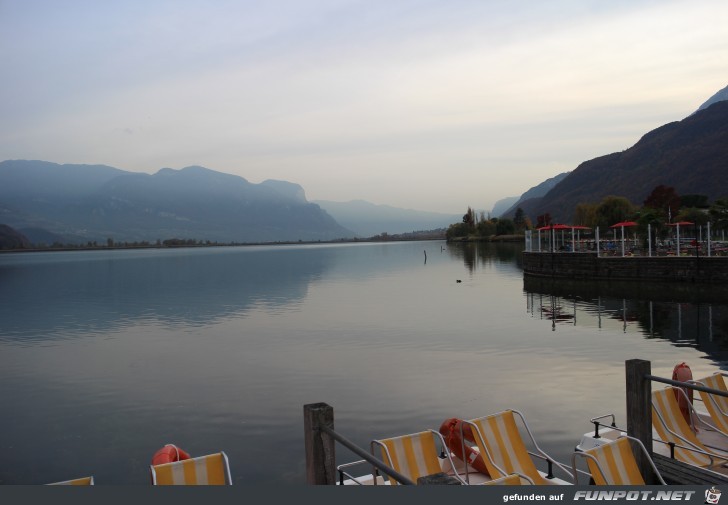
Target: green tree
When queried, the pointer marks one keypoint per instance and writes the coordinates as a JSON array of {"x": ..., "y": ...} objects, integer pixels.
[
  {"x": 505, "y": 227},
  {"x": 457, "y": 230},
  {"x": 585, "y": 214},
  {"x": 697, "y": 201},
  {"x": 613, "y": 209},
  {"x": 648, "y": 216},
  {"x": 519, "y": 219},
  {"x": 693, "y": 215},
  {"x": 486, "y": 228},
  {"x": 719, "y": 214},
  {"x": 469, "y": 218}
]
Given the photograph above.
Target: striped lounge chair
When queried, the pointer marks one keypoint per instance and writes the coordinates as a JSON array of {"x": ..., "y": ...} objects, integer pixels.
[
  {"x": 717, "y": 406},
  {"x": 499, "y": 439},
  {"x": 671, "y": 426},
  {"x": 82, "y": 481},
  {"x": 614, "y": 464},
  {"x": 413, "y": 456},
  {"x": 212, "y": 469}
]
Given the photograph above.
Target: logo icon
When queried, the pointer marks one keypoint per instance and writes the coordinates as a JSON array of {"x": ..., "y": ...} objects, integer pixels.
[{"x": 712, "y": 496}]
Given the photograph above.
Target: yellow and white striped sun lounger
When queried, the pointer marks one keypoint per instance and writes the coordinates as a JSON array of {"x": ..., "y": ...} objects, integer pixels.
[
  {"x": 414, "y": 455},
  {"x": 499, "y": 440},
  {"x": 671, "y": 426},
  {"x": 717, "y": 406},
  {"x": 212, "y": 469},
  {"x": 83, "y": 481},
  {"x": 614, "y": 464}
]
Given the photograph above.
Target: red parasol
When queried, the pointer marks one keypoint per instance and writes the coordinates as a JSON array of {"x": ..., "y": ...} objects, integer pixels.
[
  {"x": 622, "y": 225},
  {"x": 677, "y": 225}
]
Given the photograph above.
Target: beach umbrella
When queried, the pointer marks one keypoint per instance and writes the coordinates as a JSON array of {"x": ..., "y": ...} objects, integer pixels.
[
  {"x": 577, "y": 228},
  {"x": 677, "y": 225},
  {"x": 622, "y": 225},
  {"x": 552, "y": 228}
]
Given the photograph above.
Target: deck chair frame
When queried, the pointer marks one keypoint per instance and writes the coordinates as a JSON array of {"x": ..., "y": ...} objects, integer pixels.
[
  {"x": 540, "y": 453},
  {"x": 718, "y": 416},
  {"x": 381, "y": 443},
  {"x": 587, "y": 455},
  {"x": 715, "y": 458},
  {"x": 513, "y": 479},
  {"x": 504, "y": 476},
  {"x": 225, "y": 468},
  {"x": 81, "y": 481}
]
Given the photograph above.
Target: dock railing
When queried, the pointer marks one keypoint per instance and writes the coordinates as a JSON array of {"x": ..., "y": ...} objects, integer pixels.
[
  {"x": 320, "y": 440},
  {"x": 639, "y": 378}
]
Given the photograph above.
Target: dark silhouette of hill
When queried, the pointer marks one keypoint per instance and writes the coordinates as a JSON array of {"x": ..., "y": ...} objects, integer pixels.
[
  {"x": 94, "y": 203},
  {"x": 12, "y": 239},
  {"x": 690, "y": 155}
]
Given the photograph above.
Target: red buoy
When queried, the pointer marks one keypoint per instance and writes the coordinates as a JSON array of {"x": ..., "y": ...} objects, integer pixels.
[
  {"x": 169, "y": 454},
  {"x": 451, "y": 431},
  {"x": 682, "y": 373}
]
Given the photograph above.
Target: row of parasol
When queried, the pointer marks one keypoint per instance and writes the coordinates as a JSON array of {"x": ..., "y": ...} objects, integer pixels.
[{"x": 622, "y": 225}]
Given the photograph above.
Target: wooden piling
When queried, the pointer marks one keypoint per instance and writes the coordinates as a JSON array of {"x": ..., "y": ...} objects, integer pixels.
[
  {"x": 320, "y": 447},
  {"x": 639, "y": 411}
]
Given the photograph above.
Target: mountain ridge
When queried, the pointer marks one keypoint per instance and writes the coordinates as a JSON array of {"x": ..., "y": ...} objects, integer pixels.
[
  {"x": 95, "y": 202},
  {"x": 689, "y": 155}
]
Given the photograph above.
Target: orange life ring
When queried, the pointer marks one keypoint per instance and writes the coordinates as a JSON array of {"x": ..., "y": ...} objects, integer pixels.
[
  {"x": 451, "y": 430},
  {"x": 169, "y": 454},
  {"x": 682, "y": 373}
]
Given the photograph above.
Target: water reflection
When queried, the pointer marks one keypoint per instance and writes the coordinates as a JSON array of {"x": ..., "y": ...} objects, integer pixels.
[
  {"x": 89, "y": 292},
  {"x": 685, "y": 314},
  {"x": 476, "y": 255},
  {"x": 106, "y": 356}
]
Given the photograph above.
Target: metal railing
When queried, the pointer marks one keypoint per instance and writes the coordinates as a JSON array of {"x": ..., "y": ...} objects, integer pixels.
[
  {"x": 369, "y": 458},
  {"x": 320, "y": 440}
]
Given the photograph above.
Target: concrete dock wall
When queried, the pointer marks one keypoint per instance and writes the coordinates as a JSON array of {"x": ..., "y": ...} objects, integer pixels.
[{"x": 701, "y": 269}]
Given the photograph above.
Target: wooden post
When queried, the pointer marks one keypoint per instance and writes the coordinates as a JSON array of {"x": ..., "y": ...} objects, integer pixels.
[
  {"x": 320, "y": 452},
  {"x": 639, "y": 412}
]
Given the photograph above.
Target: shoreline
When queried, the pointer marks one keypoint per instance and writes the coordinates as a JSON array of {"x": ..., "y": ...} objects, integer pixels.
[{"x": 241, "y": 244}]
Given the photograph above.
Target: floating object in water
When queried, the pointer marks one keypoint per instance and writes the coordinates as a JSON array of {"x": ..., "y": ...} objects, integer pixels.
[{"x": 458, "y": 280}]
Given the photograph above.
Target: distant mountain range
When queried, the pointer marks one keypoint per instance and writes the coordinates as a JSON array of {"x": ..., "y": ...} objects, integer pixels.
[
  {"x": 508, "y": 206},
  {"x": 368, "y": 219},
  {"x": 49, "y": 202},
  {"x": 690, "y": 155},
  {"x": 720, "y": 96}
]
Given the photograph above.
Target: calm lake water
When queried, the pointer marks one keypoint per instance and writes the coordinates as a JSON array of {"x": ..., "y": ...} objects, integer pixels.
[{"x": 105, "y": 356}]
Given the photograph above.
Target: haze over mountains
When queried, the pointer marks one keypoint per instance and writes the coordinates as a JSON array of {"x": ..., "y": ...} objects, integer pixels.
[
  {"x": 75, "y": 204},
  {"x": 368, "y": 219},
  {"x": 80, "y": 203},
  {"x": 48, "y": 202}
]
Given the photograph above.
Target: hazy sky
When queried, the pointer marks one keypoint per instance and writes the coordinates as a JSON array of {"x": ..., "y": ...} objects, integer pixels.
[{"x": 431, "y": 105}]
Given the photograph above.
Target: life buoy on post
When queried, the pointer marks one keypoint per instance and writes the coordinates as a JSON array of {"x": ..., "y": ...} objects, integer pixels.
[
  {"x": 682, "y": 373},
  {"x": 169, "y": 454},
  {"x": 451, "y": 430}
]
